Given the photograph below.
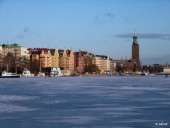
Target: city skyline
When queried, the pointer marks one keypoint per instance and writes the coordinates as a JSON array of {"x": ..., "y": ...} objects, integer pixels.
[{"x": 103, "y": 27}]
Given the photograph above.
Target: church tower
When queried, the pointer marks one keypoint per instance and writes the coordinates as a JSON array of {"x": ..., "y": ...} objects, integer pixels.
[{"x": 135, "y": 54}]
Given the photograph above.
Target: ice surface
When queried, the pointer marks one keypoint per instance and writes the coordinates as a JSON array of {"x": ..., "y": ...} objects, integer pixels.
[
  {"x": 83, "y": 102},
  {"x": 8, "y": 108},
  {"x": 16, "y": 98}
]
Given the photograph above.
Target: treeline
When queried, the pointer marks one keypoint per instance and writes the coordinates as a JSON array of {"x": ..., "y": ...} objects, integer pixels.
[{"x": 12, "y": 63}]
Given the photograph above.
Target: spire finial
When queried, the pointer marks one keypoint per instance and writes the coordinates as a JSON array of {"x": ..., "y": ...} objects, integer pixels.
[
  {"x": 135, "y": 34},
  {"x": 135, "y": 41}
]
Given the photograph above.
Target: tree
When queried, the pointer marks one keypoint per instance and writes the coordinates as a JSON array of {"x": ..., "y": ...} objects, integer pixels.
[
  {"x": 22, "y": 64},
  {"x": 91, "y": 68},
  {"x": 35, "y": 66},
  {"x": 119, "y": 68},
  {"x": 9, "y": 62}
]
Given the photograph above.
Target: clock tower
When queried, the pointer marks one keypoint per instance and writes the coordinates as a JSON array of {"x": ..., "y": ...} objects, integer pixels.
[{"x": 135, "y": 54}]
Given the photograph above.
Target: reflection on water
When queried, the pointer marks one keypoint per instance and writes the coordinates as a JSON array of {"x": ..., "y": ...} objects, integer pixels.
[{"x": 95, "y": 102}]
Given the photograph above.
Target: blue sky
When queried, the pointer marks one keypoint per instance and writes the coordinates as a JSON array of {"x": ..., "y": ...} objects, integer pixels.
[{"x": 98, "y": 26}]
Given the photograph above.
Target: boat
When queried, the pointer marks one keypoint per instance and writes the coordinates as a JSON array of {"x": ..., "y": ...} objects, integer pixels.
[
  {"x": 144, "y": 74},
  {"x": 9, "y": 75},
  {"x": 41, "y": 74},
  {"x": 27, "y": 73},
  {"x": 55, "y": 72}
]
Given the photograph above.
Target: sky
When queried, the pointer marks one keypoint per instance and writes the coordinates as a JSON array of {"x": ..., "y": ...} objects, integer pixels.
[{"x": 104, "y": 27}]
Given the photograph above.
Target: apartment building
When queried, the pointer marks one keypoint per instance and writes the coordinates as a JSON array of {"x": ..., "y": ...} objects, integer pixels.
[
  {"x": 15, "y": 49},
  {"x": 54, "y": 58},
  {"x": 79, "y": 62},
  {"x": 70, "y": 60},
  {"x": 63, "y": 59},
  {"x": 66, "y": 60},
  {"x": 88, "y": 58},
  {"x": 35, "y": 60},
  {"x": 102, "y": 62},
  {"x": 45, "y": 58},
  {"x": 112, "y": 65}
]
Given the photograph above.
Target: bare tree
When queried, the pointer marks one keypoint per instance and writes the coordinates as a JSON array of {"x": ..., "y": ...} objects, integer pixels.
[{"x": 9, "y": 62}]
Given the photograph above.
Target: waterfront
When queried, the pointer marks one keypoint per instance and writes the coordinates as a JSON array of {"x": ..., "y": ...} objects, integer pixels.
[{"x": 83, "y": 102}]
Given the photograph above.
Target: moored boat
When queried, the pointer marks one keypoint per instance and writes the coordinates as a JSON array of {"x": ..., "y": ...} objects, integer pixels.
[
  {"x": 9, "y": 75},
  {"x": 55, "y": 72},
  {"x": 27, "y": 73}
]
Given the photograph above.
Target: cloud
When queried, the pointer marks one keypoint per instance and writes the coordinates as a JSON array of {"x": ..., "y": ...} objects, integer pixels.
[
  {"x": 24, "y": 32},
  {"x": 105, "y": 17},
  {"x": 146, "y": 36},
  {"x": 110, "y": 15}
]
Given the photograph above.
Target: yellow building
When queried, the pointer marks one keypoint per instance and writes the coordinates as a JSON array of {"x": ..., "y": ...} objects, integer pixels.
[
  {"x": 66, "y": 60},
  {"x": 70, "y": 61},
  {"x": 45, "y": 58},
  {"x": 54, "y": 58}
]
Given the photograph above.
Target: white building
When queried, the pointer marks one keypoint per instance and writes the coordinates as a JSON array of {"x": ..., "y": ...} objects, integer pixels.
[
  {"x": 17, "y": 50},
  {"x": 0, "y": 49},
  {"x": 103, "y": 62},
  {"x": 97, "y": 61},
  {"x": 166, "y": 70},
  {"x": 108, "y": 64}
]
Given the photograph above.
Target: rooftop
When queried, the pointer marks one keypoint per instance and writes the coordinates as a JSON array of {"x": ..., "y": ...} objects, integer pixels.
[{"x": 15, "y": 45}]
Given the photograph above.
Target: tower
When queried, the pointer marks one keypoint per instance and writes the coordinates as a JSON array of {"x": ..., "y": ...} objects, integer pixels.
[{"x": 135, "y": 53}]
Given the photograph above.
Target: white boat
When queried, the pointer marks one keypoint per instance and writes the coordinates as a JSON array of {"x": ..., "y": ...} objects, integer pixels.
[
  {"x": 41, "y": 74},
  {"x": 55, "y": 72},
  {"x": 27, "y": 73},
  {"x": 9, "y": 75},
  {"x": 144, "y": 74}
]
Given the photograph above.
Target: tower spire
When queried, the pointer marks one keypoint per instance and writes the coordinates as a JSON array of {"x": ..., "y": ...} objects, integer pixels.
[{"x": 135, "y": 39}]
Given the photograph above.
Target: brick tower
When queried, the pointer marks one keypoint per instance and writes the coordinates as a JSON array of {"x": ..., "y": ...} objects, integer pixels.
[{"x": 135, "y": 54}]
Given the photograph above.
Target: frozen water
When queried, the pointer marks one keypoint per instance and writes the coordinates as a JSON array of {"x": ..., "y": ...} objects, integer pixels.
[{"x": 83, "y": 102}]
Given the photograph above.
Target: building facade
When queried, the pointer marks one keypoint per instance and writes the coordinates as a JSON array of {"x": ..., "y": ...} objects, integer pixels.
[
  {"x": 63, "y": 59},
  {"x": 15, "y": 49},
  {"x": 112, "y": 66},
  {"x": 78, "y": 62},
  {"x": 54, "y": 58},
  {"x": 66, "y": 60},
  {"x": 70, "y": 61},
  {"x": 103, "y": 62},
  {"x": 45, "y": 58},
  {"x": 35, "y": 60}
]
